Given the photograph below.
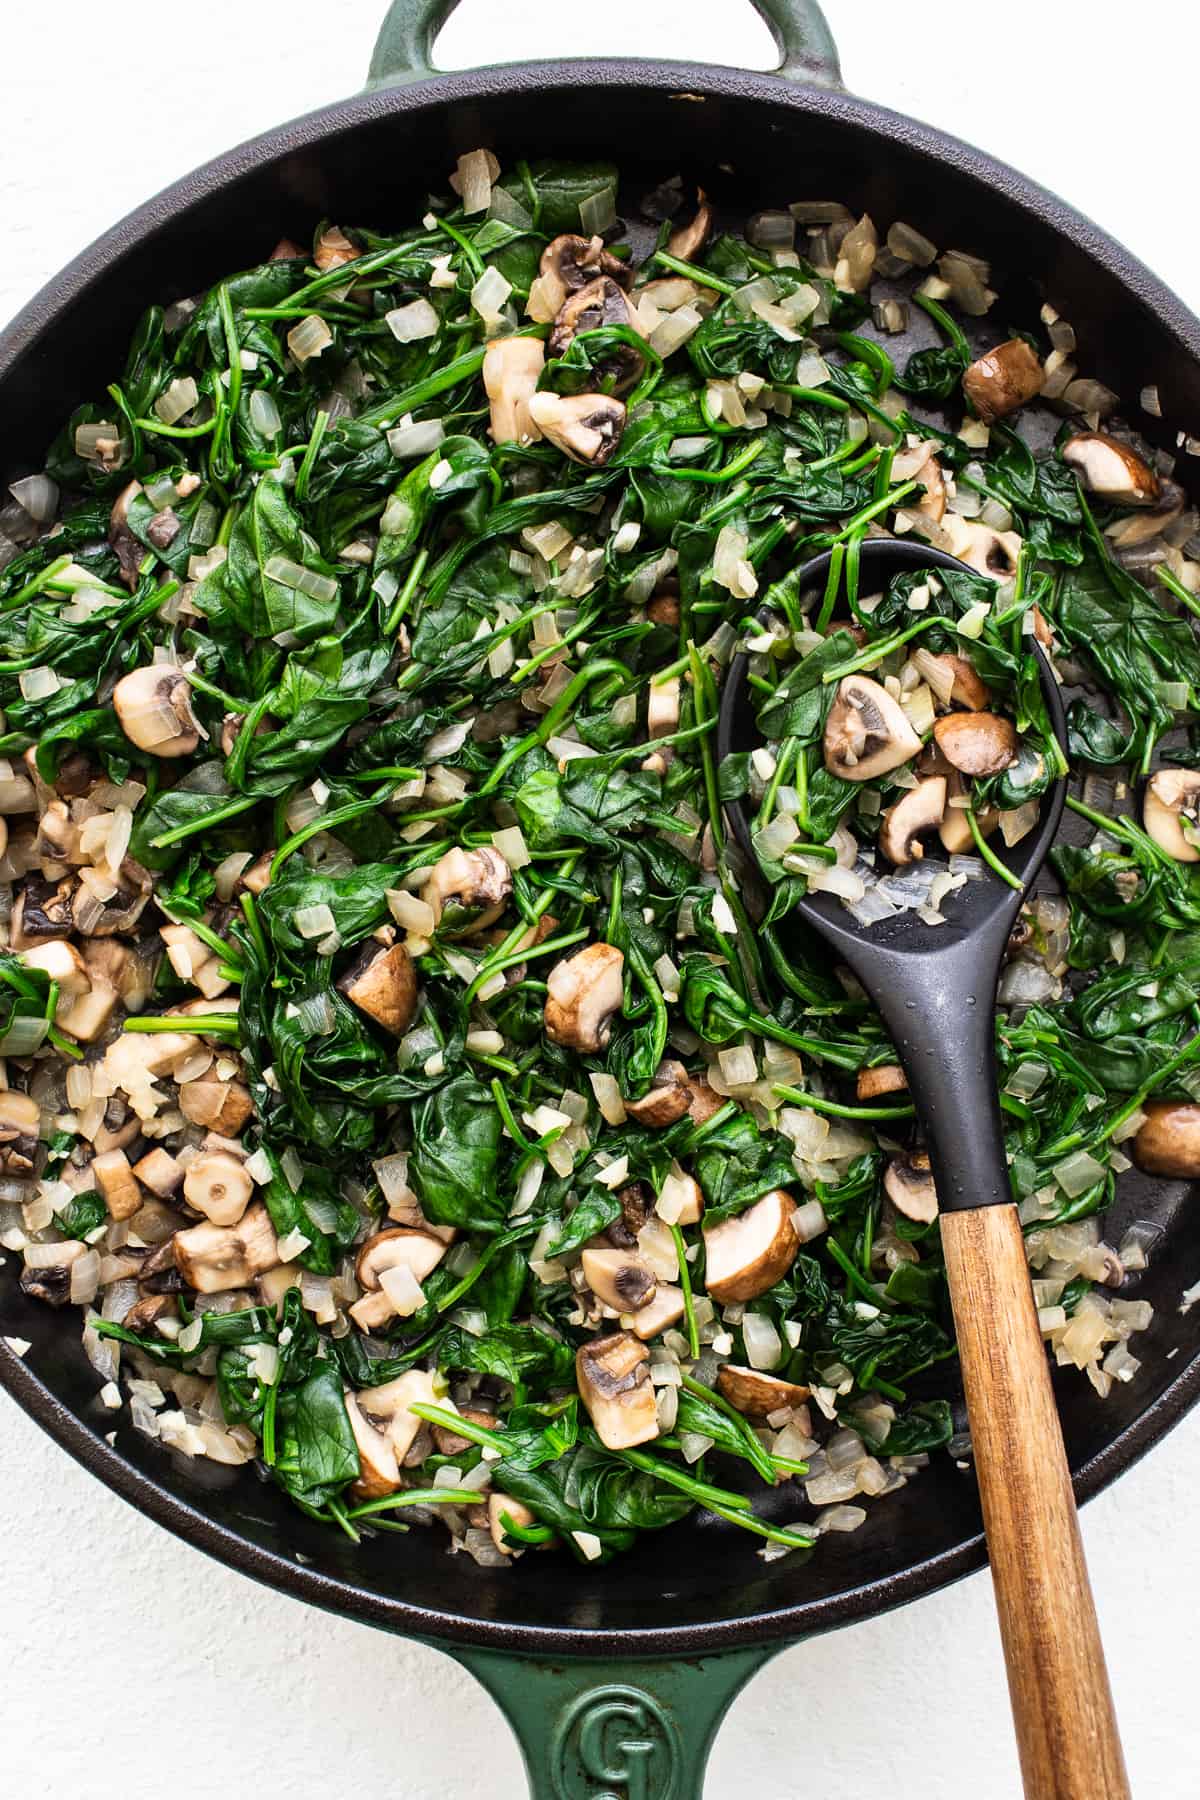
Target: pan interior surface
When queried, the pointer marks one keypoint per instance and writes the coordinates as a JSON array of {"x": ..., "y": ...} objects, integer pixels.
[{"x": 751, "y": 141}]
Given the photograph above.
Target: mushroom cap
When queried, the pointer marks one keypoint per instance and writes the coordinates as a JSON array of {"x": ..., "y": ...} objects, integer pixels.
[
  {"x": 383, "y": 984},
  {"x": 398, "y": 1245},
  {"x": 601, "y": 302},
  {"x": 1168, "y": 1141},
  {"x": 585, "y": 427},
  {"x": 967, "y": 688},
  {"x": 582, "y": 994},
  {"x": 867, "y": 733},
  {"x": 1112, "y": 469},
  {"x": 511, "y": 369},
  {"x": 619, "y": 1278},
  {"x": 987, "y": 551},
  {"x": 214, "y": 1258},
  {"x": 667, "y": 1100},
  {"x": 471, "y": 886},
  {"x": 388, "y": 1407},
  {"x": 217, "y": 1185},
  {"x": 570, "y": 262},
  {"x": 613, "y": 1376},
  {"x": 154, "y": 709},
  {"x": 1003, "y": 379},
  {"x": 749, "y": 1253},
  {"x": 756, "y": 1394},
  {"x": 222, "y": 1106},
  {"x": 498, "y": 1505},
  {"x": 1171, "y": 796},
  {"x": 909, "y": 1186},
  {"x": 882, "y": 1078},
  {"x": 920, "y": 809},
  {"x": 977, "y": 743},
  {"x": 379, "y": 1471}
]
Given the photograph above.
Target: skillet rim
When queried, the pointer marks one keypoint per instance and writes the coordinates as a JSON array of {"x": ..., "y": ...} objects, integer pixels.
[{"x": 305, "y": 133}]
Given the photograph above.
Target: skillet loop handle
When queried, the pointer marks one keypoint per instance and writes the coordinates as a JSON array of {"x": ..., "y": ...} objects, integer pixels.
[
  {"x": 620, "y": 1730},
  {"x": 404, "y": 48}
]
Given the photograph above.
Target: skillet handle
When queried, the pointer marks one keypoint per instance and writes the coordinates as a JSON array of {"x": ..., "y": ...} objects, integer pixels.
[
  {"x": 404, "y": 48},
  {"x": 623, "y": 1729}
]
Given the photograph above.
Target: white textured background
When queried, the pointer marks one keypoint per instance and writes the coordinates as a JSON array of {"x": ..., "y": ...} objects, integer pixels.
[{"x": 101, "y": 104}]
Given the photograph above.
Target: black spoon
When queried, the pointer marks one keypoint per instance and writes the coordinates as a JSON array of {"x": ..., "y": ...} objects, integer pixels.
[{"x": 935, "y": 988}]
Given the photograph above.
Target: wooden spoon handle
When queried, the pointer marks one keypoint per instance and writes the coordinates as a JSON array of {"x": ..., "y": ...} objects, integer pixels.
[{"x": 1062, "y": 1705}]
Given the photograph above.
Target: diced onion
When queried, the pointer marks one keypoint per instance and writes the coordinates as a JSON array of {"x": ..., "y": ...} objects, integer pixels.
[
  {"x": 38, "y": 495},
  {"x": 177, "y": 399},
  {"x": 490, "y": 293},
  {"x": 321, "y": 588},
  {"x": 313, "y": 921},
  {"x": 1077, "y": 1172},
  {"x": 309, "y": 338},
  {"x": 409, "y": 441},
  {"x": 264, "y": 413},
  {"x": 608, "y": 1098},
  {"x": 763, "y": 1346},
  {"x": 418, "y": 319}
]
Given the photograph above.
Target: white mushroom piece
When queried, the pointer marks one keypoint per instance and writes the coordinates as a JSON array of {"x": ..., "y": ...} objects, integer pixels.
[
  {"x": 660, "y": 1314},
  {"x": 1170, "y": 804},
  {"x": 130, "y": 553},
  {"x": 383, "y": 984},
  {"x": 217, "y": 1185},
  {"x": 154, "y": 710},
  {"x": 215, "y": 1258},
  {"x": 613, "y": 1375},
  {"x": 385, "y": 1429},
  {"x": 909, "y": 1186},
  {"x": 116, "y": 1182},
  {"x": 467, "y": 890},
  {"x": 601, "y": 302},
  {"x": 223, "y": 1106},
  {"x": 919, "y": 810},
  {"x": 756, "y": 1394},
  {"x": 20, "y": 1129},
  {"x": 511, "y": 368},
  {"x": 620, "y": 1279},
  {"x": 1003, "y": 379},
  {"x": 977, "y": 743},
  {"x": 687, "y": 241},
  {"x": 585, "y": 427},
  {"x": 749, "y": 1253},
  {"x": 569, "y": 263},
  {"x": 988, "y": 552},
  {"x": 498, "y": 1507},
  {"x": 582, "y": 994},
  {"x": 669, "y": 1097},
  {"x": 1112, "y": 469},
  {"x": 867, "y": 733},
  {"x": 46, "y": 1274},
  {"x": 193, "y": 960},
  {"x": 1168, "y": 1141},
  {"x": 160, "y": 1172},
  {"x": 883, "y": 1078},
  {"x": 955, "y": 681},
  {"x": 391, "y": 1266}
]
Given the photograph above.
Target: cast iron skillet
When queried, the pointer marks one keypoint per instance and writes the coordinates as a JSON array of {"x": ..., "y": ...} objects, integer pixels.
[{"x": 555, "y": 1642}]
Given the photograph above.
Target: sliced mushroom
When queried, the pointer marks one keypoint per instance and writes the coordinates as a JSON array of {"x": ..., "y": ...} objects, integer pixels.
[
  {"x": 159, "y": 1171},
  {"x": 687, "y": 241},
  {"x": 214, "y": 1258},
  {"x": 619, "y": 1279},
  {"x": 88, "y": 1017},
  {"x": 955, "y": 830},
  {"x": 602, "y": 302},
  {"x": 1003, "y": 379},
  {"x": 144, "y": 1315},
  {"x": 115, "y": 1180},
  {"x": 467, "y": 890},
  {"x": 613, "y": 1375},
  {"x": 222, "y": 1106},
  {"x": 867, "y": 733},
  {"x": 884, "y": 1078},
  {"x": 511, "y": 368},
  {"x": 1149, "y": 521},
  {"x": 20, "y": 1129},
  {"x": 193, "y": 961},
  {"x": 62, "y": 963},
  {"x": 582, "y": 994},
  {"x": 662, "y": 707},
  {"x": 1171, "y": 800},
  {"x": 41, "y": 910},
  {"x": 967, "y": 688},
  {"x": 418, "y": 1250},
  {"x": 756, "y": 1394},
  {"x": 585, "y": 427},
  {"x": 121, "y": 1128},
  {"x": 1168, "y": 1142},
  {"x": 749, "y": 1253},
  {"x": 978, "y": 744},
  {"x": 637, "y": 1204},
  {"x": 497, "y": 1507},
  {"x": 452, "y": 1443},
  {"x": 668, "y": 1099},
  {"x": 660, "y": 1314},
  {"x": 130, "y": 553},
  {"x": 47, "y": 1271},
  {"x": 378, "y": 1469},
  {"x": 909, "y": 1186},
  {"x": 387, "y": 1407},
  {"x": 569, "y": 263},
  {"x": 154, "y": 710},
  {"x": 988, "y": 552},
  {"x": 1112, "y": 469},
  {"x": 705, "y": 1100},
  {"x": 383, "y": 984},
  {"x": 218, "y": 1186},
  {"x": 920, "y": 809}
]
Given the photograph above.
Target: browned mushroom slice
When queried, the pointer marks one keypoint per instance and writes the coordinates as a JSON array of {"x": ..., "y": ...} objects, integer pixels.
[
  {"x": 1168, "y": 1142},
  {"x": 613, "y": 1374},
  {"x": 668, "y": 1099},
  {"x": 756, "y": 1394},
  {"x": 867, "y": 733},
  {"x": 502, "y": 1506},
  {"x": 378, "y": 1469},
  {"x": 217, "y": 1185},
  {"x": 115, "y": 1180},
  {"x": 601, "y": 302},
  {"x": 41, "y": 910},
  {"x": 582, "y": 994},
  {"x": 418, "y": 1250},
  {"x": 1003, "y": 379},
  {"x": 383, "y": 984},
  {"x": 1171, "y": 801},
  {"x": 569, "y": 263},
  {"x": 933, "y": 500},
  {"x": 159, "y": 1171},
  {"x": 687, "y": 241},
  {"x": 1112, "y": 469},
  {"x": 1149, "y": 521},
  {"x": 663, "y": 609},
  {"x": 978, "y": 744},
  {"x": 884, "y": 1078},
  {"x": 511, "y": 368},
  {"x": 46, "y": 1274},
  {"x": 467, "y": 890},
  {"x": 920, "y": 809},
  {"x": 452, "y": 1443},
  {"x": 749, "y": 1253},
  {"x": 909, "y": 1186},
  {"x": 214, "y": 1258},
  {"x": 130, "y": 553},
  {"x": 585, "y": 427},
  {"x": 154, "y": 709},
  {"x": 988, "y": 552},
  {"x": 660, "y": 1314},
  {"x": 960, "y": 673},
  {"x": 955, "y": 829},
  {"x": 388, "y": 1408},
  {"x": 144, "y": 1315},
  {"x": 705, "y": 1100},
  {"x": 619, "y": 1279},
  {"x": 222, "y": 1106}
]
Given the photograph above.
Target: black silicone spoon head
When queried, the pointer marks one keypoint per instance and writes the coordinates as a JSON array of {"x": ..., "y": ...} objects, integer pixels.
[{"x": 935, "y": 986}]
